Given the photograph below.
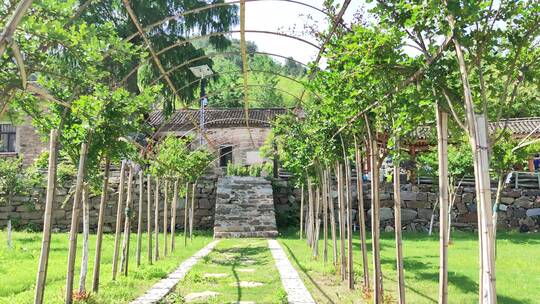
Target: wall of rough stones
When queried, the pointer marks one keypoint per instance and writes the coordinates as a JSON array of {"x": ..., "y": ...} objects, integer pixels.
[
  {"x": 28, "y": 212},
  {"x": 520, "y": 208}
]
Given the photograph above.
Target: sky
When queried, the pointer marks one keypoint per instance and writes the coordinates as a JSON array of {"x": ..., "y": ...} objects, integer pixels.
[{"x": 290, "y": 18}]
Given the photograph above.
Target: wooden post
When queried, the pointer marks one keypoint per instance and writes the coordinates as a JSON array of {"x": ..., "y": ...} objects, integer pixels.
[
  {"x": 124, "y": 262},
  {"x": 397, "y": 227},
  {"x": 74, "y": 231},
  {"x": 149, "y": 218},
  {"x": 139, "y": 218},
  {"x": 301, "y": 210},
  {"x": 165, "y": 215},
  {"x": 310, "y": 228},
  {"x": 119, "y": 211},
  {"x": 361, "y": 213},
  {"x": 186, "y": 210},
  {"x": 101, "y": 219},
  {"x": 317, "y": 222},
  {"x": 156, "y": 220},
  {"x": 47, "y": 218},
  {"x": 173, "y": 213}
]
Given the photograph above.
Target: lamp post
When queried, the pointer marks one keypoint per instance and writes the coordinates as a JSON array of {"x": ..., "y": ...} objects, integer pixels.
[{"x": 202, "y": 71}]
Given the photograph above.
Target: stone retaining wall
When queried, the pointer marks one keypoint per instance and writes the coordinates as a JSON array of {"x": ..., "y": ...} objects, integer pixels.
[
  {"x": 519, "y": 208},
  {"x": 28, "y": 212}
]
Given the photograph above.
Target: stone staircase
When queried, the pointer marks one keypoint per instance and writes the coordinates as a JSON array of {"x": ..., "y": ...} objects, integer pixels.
[{"x": 244, "y": 208}]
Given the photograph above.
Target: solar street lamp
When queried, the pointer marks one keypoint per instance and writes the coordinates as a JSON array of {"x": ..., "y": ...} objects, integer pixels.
[{"x": 202, "y": 71}]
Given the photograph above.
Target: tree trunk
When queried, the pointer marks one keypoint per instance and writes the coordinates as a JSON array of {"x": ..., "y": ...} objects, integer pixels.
[
  {"x": 186, "y": 211},
  {"x": 173, "y": 213},
  {"x": 349, "y": 224},
  {"x": 341, "y": 201},
  {"x": 73, "y": 233},
  {"x": 156, "y": 219},
  {"x": 192, "y": 210},
  {"x": 324, "y": 198},
  {"x": 124, "y": 262},
  {"x": 86, "y": 232},
  {"x": 165, "y": 220},
  {"x": 442, "y": 138},
  {"x": 139, "y": 218},
  {"x": 397, "y": 229},
  {"x": 361, "y": 214},
  {"x": 149, "y": 218},
  {"x": 119, "y": 211},
  {"x": 301, "y": 210},
  {"x": 101, "y": 218},
  {"x": 47, "y": 218},
  {"x": 479, "y": 145},
  {"x": 332, "y": 217},
  {"x": 310, "y": 229},
  {"x": 317, "y": 222}
]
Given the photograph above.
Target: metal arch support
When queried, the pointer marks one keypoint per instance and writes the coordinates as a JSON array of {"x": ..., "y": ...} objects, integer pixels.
[
  {"x": 155, "y": 56},
  {"x": 134, "y": 70},
  {"x": 216, "y": 5},
  {"x": 252, "y": 70},
  {"x": 245, "y": 65}
]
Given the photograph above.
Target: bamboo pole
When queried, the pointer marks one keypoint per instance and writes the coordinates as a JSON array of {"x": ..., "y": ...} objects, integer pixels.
[
  {"x": 47, "y": 218},
  {"x": 301, "y": 210},
  {"x": 375, "y": 223},
  {"x": 310, "y": 228},
  {"x": 192, "y": 210},
  {"x": 101, "y": 219},
  {"x": 442, "y": 140},
  {"x": 173, "y": 213},
  {"x": 139, "y": 218},
  {"x": 149, "y": 218},
  {"x": 124, "y": 261},
  {"x": 156, "y": 220},
  {"x": 397, "y": 229},
  {"x": 186, "y": 210},
  {"x": 86, "y": 232},
  {"x": 165, "y": 215},
  {"x": 332, "y": 217},
  {"x": 119, "y": 209},
  {"x": 361, "y": 214},
  {"x": 73, "y": 233}
]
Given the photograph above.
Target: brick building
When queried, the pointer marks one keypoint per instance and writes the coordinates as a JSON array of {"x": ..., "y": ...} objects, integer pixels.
[{"x": 20, "y": 139}]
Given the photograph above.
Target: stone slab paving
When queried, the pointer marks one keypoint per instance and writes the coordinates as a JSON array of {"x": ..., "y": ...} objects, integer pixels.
[
  {"x": 297, "y": 292},
  {"x": 165, "y": 286}
]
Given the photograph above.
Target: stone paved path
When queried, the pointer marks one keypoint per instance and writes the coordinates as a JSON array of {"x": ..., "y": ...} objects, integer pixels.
[
  {"x": 165, "y": 286},
  {"x": 296, "y": 290}
]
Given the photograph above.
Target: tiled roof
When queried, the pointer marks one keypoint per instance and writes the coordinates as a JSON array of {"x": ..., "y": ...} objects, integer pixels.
[
  {"x": 215, "y": 118},
  {"x": 519, "y": 126}
]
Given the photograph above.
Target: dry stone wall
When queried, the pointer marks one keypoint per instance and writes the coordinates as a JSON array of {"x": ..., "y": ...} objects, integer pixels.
[
  {"x": 519, "y": 209},
  {"x": 27, "y": 212}
]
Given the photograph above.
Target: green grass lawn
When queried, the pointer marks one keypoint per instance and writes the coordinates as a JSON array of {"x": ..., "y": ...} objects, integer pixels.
[
  {"x": 518, "y": 269},
  {"x": 18, "y": 267},
  {"x": 232, "y": 258}
]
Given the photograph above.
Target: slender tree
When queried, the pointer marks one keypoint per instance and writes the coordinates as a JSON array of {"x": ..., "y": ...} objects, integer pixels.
[
  {"x": 139, "y": 217},
  {"x": 101, "y": 219},
  {"x": 86, "y": 233},
  {"x": 156, "y": 219},
  {"x": 118, "y": 230},
  {"x": 149, "y": 218},
  {"x": 173, "y": 213},
  {"x": 124, "y": 261}
]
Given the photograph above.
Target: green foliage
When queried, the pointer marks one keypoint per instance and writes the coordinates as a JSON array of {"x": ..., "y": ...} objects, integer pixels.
[
  {"x": 12, "y": 179},
  {"x": 251, "y": 170},
  {"x": 175, "y": 160},
  {"x": 460, "y": 162}
]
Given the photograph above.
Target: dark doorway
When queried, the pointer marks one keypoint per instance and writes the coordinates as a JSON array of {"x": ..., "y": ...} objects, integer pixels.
[{"x": 225, "y": 155}]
